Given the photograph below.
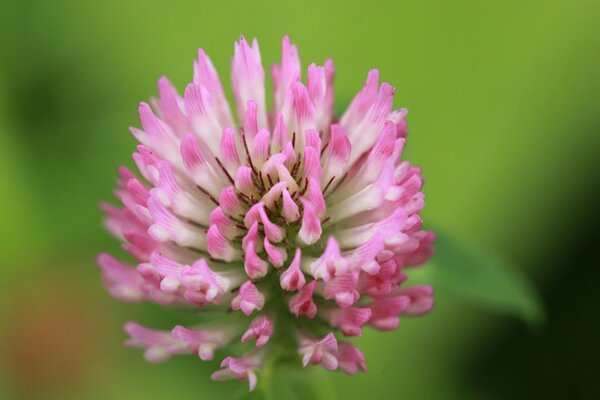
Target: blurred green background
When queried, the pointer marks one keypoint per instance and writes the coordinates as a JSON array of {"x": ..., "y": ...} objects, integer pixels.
[{"x": 504, "y": 99}]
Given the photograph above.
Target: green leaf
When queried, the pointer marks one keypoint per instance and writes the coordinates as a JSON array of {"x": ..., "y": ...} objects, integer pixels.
[{"x": 482, "y": 277}]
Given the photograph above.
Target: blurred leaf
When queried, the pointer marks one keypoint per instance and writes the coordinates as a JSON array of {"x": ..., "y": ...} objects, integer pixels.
[
  {"x": 484, "y": 278},
  {"x": 18, "y": 212}
]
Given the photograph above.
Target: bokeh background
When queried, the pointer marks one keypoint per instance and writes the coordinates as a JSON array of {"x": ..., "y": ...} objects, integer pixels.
[{"x": 504, "y": 99}]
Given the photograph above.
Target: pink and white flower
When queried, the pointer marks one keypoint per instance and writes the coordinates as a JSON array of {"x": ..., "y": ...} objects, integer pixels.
[
  {"x": 350, "y": 358},
  {"x": 302, "y": 303},
  {"x": 203, "y": 342},
  {"x": 292, "y": 278},
  {"x": 159, "y": 345},
  {"x": 260, "y": 329},
  {"x": 349, "y": 320},
  {"x": 249, "y": 299},
  {"x": 242, "y": 369},
  {"x": 219, "y": 209},
  {"x": 319, "y": 351}
]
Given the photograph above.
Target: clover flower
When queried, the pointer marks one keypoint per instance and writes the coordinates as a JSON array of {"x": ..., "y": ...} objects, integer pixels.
[{"x": 303, "y": 222}]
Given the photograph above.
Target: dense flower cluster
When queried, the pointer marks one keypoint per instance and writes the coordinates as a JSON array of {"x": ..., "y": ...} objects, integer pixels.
[{"x": 303, "y": 222}]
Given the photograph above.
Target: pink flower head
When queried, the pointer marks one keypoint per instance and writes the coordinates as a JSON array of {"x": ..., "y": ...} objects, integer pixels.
[{"x": 236, "y": 216}]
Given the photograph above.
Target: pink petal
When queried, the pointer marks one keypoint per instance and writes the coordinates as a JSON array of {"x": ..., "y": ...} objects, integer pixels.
[
  {"x": 255, "y": 267},
  {"x": 248, "y": 299},
  {"x": 292, "y": 278},
  {"x": 310, "y": 231},
  {"x": 302, "y": 302}
]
